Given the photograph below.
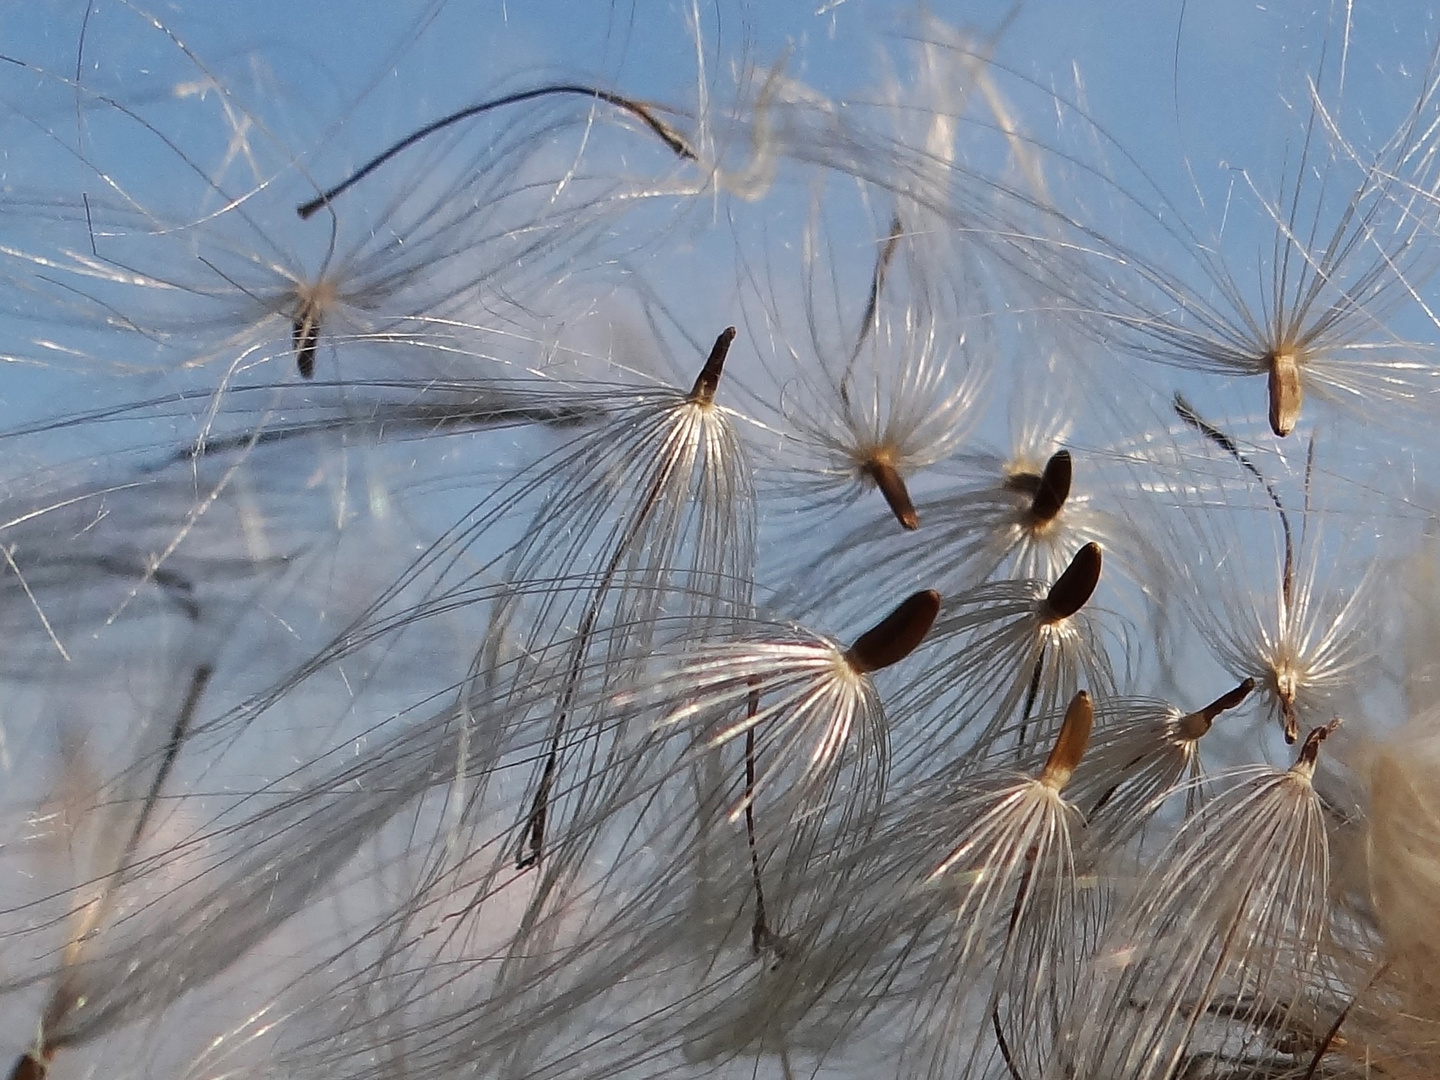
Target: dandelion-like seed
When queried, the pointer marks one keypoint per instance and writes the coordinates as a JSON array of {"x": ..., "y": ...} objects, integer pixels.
[
  {"x": 901, "y": 397},
  {"x": 1003, "y": 657},
  {"x": 995, "y": 928},
  {"x": 1303, "y": 643},
  {"x": 1143, "y": 751},
  {"x": 1208, "y": 961},
  {"x": 1349, "y": 251}
]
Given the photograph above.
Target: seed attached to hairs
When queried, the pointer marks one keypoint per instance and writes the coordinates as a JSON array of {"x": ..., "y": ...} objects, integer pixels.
[
  {"x": 1048, "y": 490},
  {"x": 703, "y": 392},
  {"x": 1073, "y": 589},
  {"x": 1286, "y": 393},
  {"x": 896, "y": 636},
  {"x": 1197, "y": 724},
  {"x": 1054, "y": 487},
  {"x": 1310, "y": 751},
  {"x": 305, "y": 331},
  {"x": 1070, "y": 743},
  {"x": 892, "y": 486}
]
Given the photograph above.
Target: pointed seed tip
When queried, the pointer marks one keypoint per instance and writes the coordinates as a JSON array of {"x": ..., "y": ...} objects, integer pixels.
[
  {"x": 897, "y": 635},
  {"x": 703, "y": 392},
  {"x": 897, "y": 496},
  {"x": 1310, "y": 751},
  {"x": 1070, "y": 743}
]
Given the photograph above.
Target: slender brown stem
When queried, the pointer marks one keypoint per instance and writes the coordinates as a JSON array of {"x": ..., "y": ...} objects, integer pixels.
[
  {"x": 641, "y": 111},
  {"x": 1333, "y": 1033},
  {"x": 872, "y": 304},
  {"x": 1021, "y": 892},
  {"x": 1186, "y": 412},
  {"x": 761, "y": 936}
]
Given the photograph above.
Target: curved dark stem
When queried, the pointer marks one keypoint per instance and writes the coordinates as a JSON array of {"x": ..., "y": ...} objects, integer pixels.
[
  {"x": 1010, "y": 1065},
  {"x": 1325, "y": 1043},
  {"x": 179, "y": 731},
  {"x": 872, "y": 304},
  {"x": 1186, "y": 412},
  {"x": 1031, "y": 694},
  {"x": 642, "y": 112},
  {"x": 761, "y": 937},
  {"x": 1015, "y": 910}
]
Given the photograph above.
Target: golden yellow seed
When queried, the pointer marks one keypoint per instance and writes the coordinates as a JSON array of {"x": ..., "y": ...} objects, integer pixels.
[
  {"x": 1286, "y": 392},
  {"x": 1070, "y": 743}
]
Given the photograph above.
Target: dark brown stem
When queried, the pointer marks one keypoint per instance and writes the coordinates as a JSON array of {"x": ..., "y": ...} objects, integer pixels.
[
  {"x": 532, "y": 840},
  {"x": 643, "y": 112},
  {"x": 761, "y": 936},
  {"x": 1330, "y": 1036}
]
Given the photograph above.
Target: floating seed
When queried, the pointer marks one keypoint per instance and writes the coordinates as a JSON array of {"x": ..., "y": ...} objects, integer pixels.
[
  {"x": 1198, "y": 723},
  {"x": 894, "y": 637},
  {"x": 703, "y": 393},
  {"x": 1073, "y": 589},
  {"x": 1286, "y": 392},
  {"x": 892, "y": 486},
  {"x": 1070, "y": 743}
]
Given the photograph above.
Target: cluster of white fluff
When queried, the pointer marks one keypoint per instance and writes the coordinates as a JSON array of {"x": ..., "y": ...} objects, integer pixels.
[{"x": 796, "y": 574}]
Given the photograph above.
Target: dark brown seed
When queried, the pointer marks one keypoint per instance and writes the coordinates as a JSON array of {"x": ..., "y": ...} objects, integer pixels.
[
  {"x": 892, "y": 486},
  {"x": 1074, "y": 587},
  {"x": 895, "y": 637},
  {"x": 1198, "y": 723},
  {"x": 1053, "y": 488},
  {"x": 1070, "y": 743},
  {"x": 306, "y": 333},
  {"x": 703, "y": 392}
]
